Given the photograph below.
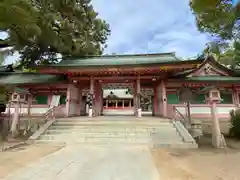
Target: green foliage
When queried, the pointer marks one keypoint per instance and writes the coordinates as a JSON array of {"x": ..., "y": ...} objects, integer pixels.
[
  {"x": 1, "y": 58},
  {"x": 44, "y": 28},
  {"x": 225, "y": 54},
  {"x": 216, "y": 17},
  {"x": 29, "y": 70},
  {"x": 235, "y": 122},
  {"x": 20, "y": 17}
]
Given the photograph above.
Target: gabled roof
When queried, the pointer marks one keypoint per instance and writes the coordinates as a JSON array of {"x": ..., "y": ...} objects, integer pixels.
[
  {"x": 120, "y": 60},
  {"x": 208, "y": 60}
]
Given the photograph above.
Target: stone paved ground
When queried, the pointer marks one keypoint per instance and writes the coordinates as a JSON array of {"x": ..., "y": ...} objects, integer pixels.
[{"x": 88, "y": 162}]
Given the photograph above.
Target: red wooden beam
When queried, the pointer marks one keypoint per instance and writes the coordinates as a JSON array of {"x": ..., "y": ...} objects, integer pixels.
[{"x": 113, "y": 78}]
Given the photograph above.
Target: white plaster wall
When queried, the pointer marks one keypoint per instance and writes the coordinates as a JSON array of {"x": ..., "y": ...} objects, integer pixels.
[
  {"x": 206, "y": 110},
  {"x": 118, "y": 112},
  {"x": 182, "y": 110},
  {"x": 41, "y": 110},
  {"x": 33, "y": 110},
  {"x": 200, "y": 110},
  {"x": 225, "y": 110}
]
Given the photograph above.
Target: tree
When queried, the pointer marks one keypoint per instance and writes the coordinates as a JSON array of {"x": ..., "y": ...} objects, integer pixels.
[
  {"x": 68, "y": 27},
  {"x": 229, "y": 56},
  {"x": 1, "y": 58},
  {"x": 18, "y": 16},
  {"x": 217, "y": 17},
  {"x": 221, "y": 20}
]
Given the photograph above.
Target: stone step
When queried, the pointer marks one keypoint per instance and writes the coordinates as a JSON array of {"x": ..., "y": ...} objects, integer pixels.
[
  {"x": 176, "y": 145},
  {"x": 115, "y": 120},
  {"x": 110, "y": 130},
  {"x": 157, "y": 132},
  {"x": 116, "y": 123},
  {"x": 101, "y": 140},
  {"x": 159, "y": 144},
  {"x": 103, "y": 143},
  {"x": 108, "y": 137},
  {"x": 115, "y": 134},
  {"x": 113, "y": 128},
  {"x": 96, "y": 135},
  {"x": 80, "y": 125},
  {"x": 69, "y": 132}
]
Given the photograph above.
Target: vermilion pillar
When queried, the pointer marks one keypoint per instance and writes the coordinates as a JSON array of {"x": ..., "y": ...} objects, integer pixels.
[
  {"x": 235, "y": 97},
  {"x": 101, "y": 97},
  {"x": 163, "y": 99},
  {"x": 135, "y": 106},
  {"x": 155, "y": 101},
  {"x": 97, "y": 99},
  {"x": 72, "y": 100},
  {"x": 91, "y": 105},
  {"x": 80, "y": 103},
  {"x": 29, "y": 104},
  {"x": 139, "y": 110},
  {"x": 68, "y": 100}
]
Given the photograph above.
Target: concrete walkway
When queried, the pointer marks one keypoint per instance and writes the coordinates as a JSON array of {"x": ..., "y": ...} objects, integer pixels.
[{"x": 90, "y": 162}]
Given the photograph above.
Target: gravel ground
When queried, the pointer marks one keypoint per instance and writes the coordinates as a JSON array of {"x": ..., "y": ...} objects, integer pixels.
[
  {"x": 198, "y": 164},
  {"x": 14, "y": 159}
]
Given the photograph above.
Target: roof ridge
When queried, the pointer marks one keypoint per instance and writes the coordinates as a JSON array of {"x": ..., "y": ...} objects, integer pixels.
[{"x": 122, "y": 55}]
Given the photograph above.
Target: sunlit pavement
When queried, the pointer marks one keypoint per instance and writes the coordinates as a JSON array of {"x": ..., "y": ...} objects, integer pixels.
[{"x": 90, "y": 162}]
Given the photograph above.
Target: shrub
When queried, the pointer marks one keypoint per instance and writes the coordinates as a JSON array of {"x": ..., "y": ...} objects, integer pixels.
[{"x": 235, "y": 123}]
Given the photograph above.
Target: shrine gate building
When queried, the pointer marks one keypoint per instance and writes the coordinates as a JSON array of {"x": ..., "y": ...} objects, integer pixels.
[{"x": 148, "y": 83}]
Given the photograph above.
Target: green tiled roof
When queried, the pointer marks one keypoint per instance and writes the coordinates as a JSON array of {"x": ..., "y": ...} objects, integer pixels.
[
  {"x": 21, "y": 90},
  {"x": 28, "y": 78},
  {"x": 215, "y": 79},
  {"x": 7, "y": 68},
  {"x": 121, "y": 60}
]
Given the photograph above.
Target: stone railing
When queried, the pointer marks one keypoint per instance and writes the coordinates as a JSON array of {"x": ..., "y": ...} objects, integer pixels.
[
  {"x": 201, "y": 111},
  {"x": 50, "y": 114}
]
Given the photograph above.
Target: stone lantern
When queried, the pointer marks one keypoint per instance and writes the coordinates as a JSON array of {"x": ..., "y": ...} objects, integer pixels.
[
  {"x": 214, "y": 97},
  {"x": 20, "y": 96}
]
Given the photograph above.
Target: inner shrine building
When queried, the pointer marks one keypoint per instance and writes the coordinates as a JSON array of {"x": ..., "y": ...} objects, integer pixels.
[{"x": 137, "y": 85}]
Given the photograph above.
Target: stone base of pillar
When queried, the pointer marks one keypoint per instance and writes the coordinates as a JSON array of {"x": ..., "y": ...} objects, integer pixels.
[
  {"x": 90, "y": 112},
  {"x": 139, "y": 113}
]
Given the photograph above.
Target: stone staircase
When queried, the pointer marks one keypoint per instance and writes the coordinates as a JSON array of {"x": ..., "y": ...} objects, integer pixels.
[{"x": 154, "y": 132}]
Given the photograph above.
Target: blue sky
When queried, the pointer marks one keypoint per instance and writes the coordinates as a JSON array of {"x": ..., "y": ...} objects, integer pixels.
[{"x": 150, "y": 26}]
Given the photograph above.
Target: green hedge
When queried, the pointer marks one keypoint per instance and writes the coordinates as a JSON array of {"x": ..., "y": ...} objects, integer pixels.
[{"x": 235, "y": 123}]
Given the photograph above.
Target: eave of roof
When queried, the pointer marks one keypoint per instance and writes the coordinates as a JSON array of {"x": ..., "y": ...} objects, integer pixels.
[
  {"x": 29, "y": 78},
  {"x": 7, "y": 68},
  {"x": 227, "y": 79},
  {"x": 121, "y": 60}
]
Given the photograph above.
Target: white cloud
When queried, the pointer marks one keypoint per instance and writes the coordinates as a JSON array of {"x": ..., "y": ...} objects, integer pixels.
[
  {"x": 149, "y": 26},
  {"x": 141, "y": 26}
]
